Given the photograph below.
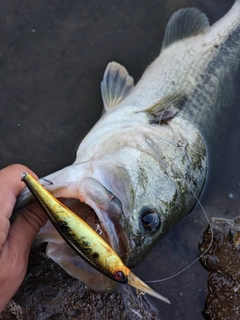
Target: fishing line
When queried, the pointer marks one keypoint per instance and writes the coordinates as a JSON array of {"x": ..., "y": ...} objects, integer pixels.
[{"x": 194, "y": 261}]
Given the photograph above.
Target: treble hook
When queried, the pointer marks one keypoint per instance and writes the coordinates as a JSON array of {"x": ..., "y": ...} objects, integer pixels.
[{"x": 98, "y": 227}]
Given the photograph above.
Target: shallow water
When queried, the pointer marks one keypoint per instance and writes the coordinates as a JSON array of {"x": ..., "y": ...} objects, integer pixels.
[{"x": 52, "y": 58}]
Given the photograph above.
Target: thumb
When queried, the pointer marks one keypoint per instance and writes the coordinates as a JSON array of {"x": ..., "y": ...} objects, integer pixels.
[{"x": 25, "y": 227}]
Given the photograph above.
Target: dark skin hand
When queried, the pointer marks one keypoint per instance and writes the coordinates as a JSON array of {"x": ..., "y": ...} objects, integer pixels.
[{"x": 15, "y": 239}]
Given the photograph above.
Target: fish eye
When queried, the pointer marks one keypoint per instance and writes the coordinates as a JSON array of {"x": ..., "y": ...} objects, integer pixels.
[
  {"x": 150, "y": 220},
  {"x": 120, "y": 277}
]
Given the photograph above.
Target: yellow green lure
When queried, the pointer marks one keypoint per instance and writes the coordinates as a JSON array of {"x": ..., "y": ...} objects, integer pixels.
[{"x": 84, "y": 240}]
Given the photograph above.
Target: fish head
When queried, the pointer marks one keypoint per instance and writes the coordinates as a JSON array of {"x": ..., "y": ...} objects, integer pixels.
[{"x": 131, "y": 195}]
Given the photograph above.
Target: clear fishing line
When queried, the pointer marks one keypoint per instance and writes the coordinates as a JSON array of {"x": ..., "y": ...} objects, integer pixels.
[{"x": 194, "y": 261}]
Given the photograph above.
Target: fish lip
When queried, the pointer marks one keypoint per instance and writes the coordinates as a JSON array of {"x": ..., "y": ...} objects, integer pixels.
[{"x": 108, "y": 209}]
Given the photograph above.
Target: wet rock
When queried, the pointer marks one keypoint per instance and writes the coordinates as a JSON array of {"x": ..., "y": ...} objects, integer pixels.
[
  {"x": 223, "y": 262},
  {"x": 49, "y": 293}
]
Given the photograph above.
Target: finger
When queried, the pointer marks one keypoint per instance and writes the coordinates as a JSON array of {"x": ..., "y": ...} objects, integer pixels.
[
  {"x": 25, "y": 228},
  {"x": 10, "y": 178},
  {"x": 4, "y": 229},
  {"x": 11, "y": 185}
]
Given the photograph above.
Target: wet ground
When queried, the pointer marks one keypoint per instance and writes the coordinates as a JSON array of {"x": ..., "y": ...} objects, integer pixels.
[
  {"x": 222, "y": 261},
  {"x": 49, "y": 293},
  {"x": 52, "y": 58}
]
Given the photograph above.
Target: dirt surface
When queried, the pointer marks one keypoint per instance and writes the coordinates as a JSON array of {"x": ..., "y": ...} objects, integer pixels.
[
  {"x": 49, "y": 293},
  {"x": 223, "y": 261}
]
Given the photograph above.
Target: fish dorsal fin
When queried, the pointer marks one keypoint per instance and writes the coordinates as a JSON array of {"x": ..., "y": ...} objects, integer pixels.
[
  {"x": 185, "y": 23},
  {"x": 116, "y": 85},
  {"x": 166, "y": 108}
]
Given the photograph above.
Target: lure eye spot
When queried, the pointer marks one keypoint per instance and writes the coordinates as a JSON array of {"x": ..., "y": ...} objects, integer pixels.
[
  {"x": 120, "y": 277},
  {"x": 150, "y": 220}
]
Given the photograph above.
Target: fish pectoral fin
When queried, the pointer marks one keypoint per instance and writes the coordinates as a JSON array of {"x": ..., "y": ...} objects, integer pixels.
[
  {"x": 185, "y": 23},
  {"x": 166, "y": 108},
  {"x": 116, "y": 85}
]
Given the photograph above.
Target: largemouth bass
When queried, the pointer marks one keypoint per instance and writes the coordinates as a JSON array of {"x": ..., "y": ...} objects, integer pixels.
[{"x": 137, "y": 172}]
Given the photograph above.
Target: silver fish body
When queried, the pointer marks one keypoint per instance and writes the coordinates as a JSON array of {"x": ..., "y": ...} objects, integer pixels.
[{"x": 142, "y": 164}]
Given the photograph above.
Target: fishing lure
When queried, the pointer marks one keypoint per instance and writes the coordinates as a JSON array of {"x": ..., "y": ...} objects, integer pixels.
[{"x": 84, "y": 240}]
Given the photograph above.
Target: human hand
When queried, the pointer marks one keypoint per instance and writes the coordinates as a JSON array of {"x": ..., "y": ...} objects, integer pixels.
[{"x": 15, "y": 239}]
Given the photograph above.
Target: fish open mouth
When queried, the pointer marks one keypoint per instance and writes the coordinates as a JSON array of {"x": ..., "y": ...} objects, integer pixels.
[
  {"x": 94, "y": 204},
  {"x": 103, "y": 212},
  {"x": 96, "y": 221}
]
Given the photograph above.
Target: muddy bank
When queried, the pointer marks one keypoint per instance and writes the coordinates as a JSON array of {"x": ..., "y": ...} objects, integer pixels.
[
  {"x": 49, "y": 293},
  {"x": 222, "y": 261}
]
